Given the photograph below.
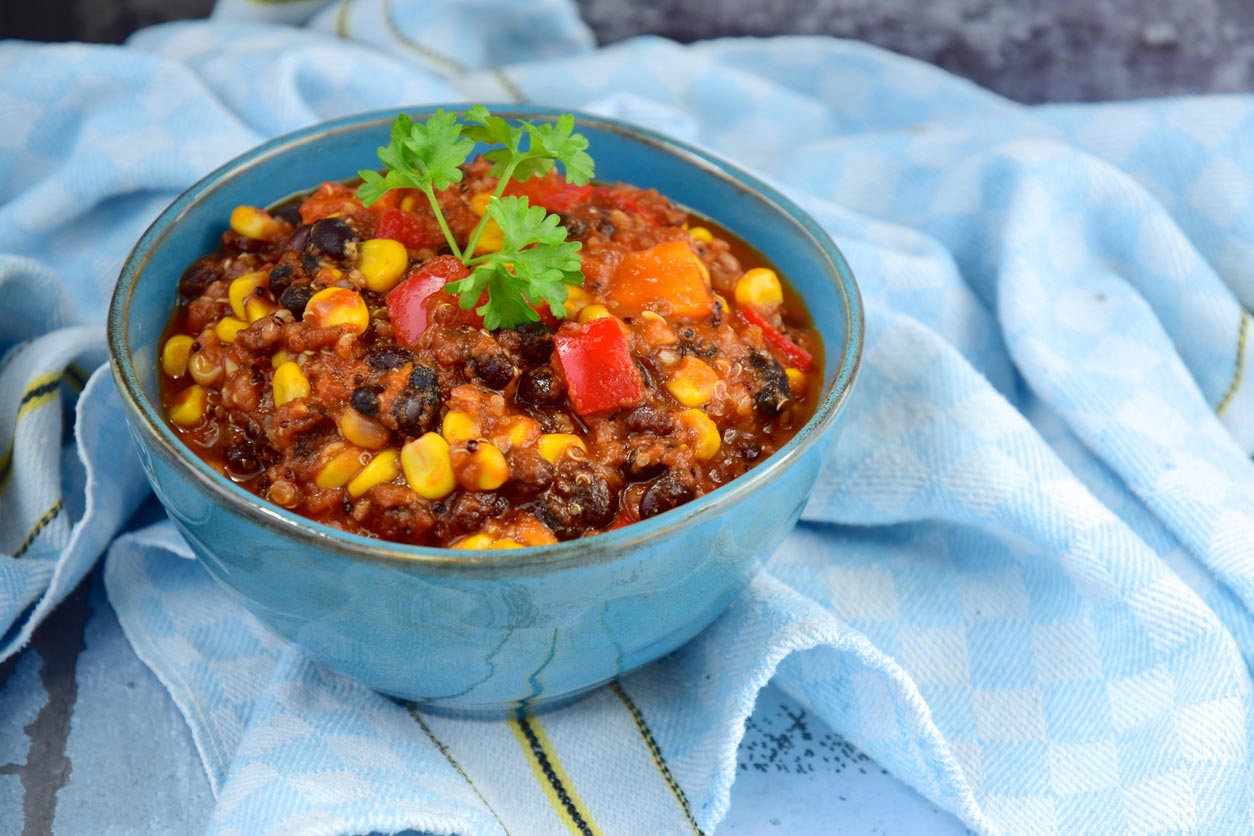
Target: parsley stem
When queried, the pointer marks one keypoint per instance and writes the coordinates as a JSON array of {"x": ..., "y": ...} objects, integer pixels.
[
  {"x": 439, "y": 218},
  {"x": 501, "y": 182}
]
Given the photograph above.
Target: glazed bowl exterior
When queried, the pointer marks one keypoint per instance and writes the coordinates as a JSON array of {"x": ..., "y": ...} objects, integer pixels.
[{"x": 489, "y": 633}]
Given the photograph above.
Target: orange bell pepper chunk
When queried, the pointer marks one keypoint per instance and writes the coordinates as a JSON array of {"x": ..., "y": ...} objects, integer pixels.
[{"x": 668, "y": 278}]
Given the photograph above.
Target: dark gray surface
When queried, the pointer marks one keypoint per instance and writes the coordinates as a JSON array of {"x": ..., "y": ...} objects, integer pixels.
[
  {"x": 1057, "y": 50},
  {"x": 1033, "y": 51}
]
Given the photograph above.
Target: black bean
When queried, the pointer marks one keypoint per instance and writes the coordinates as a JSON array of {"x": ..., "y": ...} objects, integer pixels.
[
  {"x": 496, "y": 371},
  {"x": 669, "y": 491},
  {"x": 606, "y": 227},
  {"x": 536, "y": 342},
  {"x": 529, "y": 472},
  {"x": 469, "y": 510},
  {"x": 384, "y": 357},
  {"x": 575, "y": 227},
  {"x": 418, "y": 405},
  {"x": 333, "y": 237},
  {"x": 774, "y": 393},
  {"x": 414, "y": 414},
  {"x": 365, "y": 399},
  {"x": 540, "y": 387},
  {"x": 423, "y": 378},
  {"x": 650, "y": 419},
  {"x": 309, "y": 263},
  {"x": 289, "y": 212},
  {"x": 300, "y": 238},
  {"x": 200, "y": 274},
  {"x": 578, "y": 500},
  {"x": 295, "y": 298},
  {"x": 640, "y": 468},
  {"x": 281, "y": 278},
  {"x": 241, "y": 460}
]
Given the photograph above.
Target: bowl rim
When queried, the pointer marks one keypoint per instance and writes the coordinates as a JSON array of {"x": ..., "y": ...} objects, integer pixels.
[{"x": 620, "y": 540}]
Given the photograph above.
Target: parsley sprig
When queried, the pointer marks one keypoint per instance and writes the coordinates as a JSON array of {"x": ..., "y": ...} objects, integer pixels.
[{"x": 536, "y": 262}]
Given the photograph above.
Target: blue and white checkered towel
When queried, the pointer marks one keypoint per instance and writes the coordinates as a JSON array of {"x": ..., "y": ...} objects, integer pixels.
[{"x": 1026, "y": 584}]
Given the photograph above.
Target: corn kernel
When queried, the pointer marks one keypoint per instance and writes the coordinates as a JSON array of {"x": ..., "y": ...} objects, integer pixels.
[
  {"x": 335, "y": 306},
  {"x": 228, "y": 327},
  {"x": 459, "y": 427},
  {"x": 189, "y": 406},
  {"x": 289, "y": 383},
  {"x": 692, "y": 384},
  {"x": 257, "y": 308},
  {"x": 382, "y": 263},
  {"x": 475, "y": 541},
  {"x": 517, "y": 431},
  {"x": 408, "y": 203},
  {"x": 706, "y": 437},
  {"x": 254, "y": 223},
  {"x": 483, "y": 540},
  {"x": 484, "y": 470},
  {"x": 341, "y": 462},
  {"x": 700, "y": 233},
  {"x": 759, "y": 287},
  {"x": 203, "y": 370},
  {"x": 362, "y": 431},
  {"x": 576, "y": 300},
  {"x": 796, "y": 380},
  {"x": 243, "y": 289},
  {"x": 479, "y": 203},
  {"x": 384, "y": 467},
  {"x": 174, "y": 355},
  {"x": 491, "y": 239},
  {"x": 427, "y": 466},
  {"x": 278, "y": 358},
  {"x": 592, "y": 312},
  {"x": 555, "y": 445}
]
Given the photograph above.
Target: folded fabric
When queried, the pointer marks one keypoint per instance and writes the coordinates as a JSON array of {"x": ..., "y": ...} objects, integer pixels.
[{"x": 1025, "y": 584}]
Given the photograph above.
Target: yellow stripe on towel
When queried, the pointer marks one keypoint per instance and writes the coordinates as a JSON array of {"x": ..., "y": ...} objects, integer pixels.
[{"x": 552, "y": 777}]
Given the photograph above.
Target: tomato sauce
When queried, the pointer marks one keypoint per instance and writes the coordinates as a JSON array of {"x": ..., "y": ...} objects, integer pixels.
[{"x": 332, "y": 375}]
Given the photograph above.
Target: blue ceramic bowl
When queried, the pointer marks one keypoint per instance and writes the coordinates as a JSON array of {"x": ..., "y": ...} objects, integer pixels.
[{"x": 494, "y": 632}]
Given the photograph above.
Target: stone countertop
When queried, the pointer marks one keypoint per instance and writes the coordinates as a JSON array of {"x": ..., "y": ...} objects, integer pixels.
[{"x": 1062, "y": 50}]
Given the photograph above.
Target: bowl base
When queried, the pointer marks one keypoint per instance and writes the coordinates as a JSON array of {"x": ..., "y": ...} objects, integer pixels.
[{"x": 502, "y": 711}]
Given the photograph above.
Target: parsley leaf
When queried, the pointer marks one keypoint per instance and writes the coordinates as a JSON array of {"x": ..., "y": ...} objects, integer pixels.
[
  {"x": 533, "y": 267},
  {"x": 546, "y": 143},
  {"x": 425, "y": 156},
  {"x": 420, "y": 156},
  {"x": 535, "y": 263}
]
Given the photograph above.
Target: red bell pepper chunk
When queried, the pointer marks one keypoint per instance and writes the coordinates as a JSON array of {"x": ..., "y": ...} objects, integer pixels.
[
  {"x": 409, "y": 303},
  {"x": 408, "y": 229},
  {"x": 594, "y": 360},
  {"x": 795, "y": 354},
  {"x": 551, "y": 191}
]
